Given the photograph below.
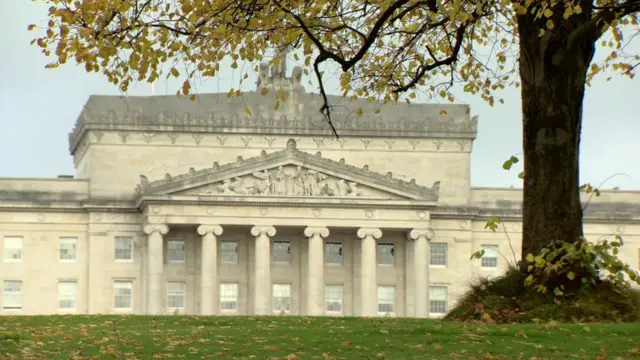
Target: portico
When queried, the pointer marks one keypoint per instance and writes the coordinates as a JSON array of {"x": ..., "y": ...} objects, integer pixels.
[{"x": 364, "y": 279}]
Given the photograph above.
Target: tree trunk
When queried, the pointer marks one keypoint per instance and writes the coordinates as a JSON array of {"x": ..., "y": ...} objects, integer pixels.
[{"x": 552, "y": 94}]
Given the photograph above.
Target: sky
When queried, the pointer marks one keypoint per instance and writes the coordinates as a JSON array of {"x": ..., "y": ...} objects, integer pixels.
[{"x": 39, "y": 107}]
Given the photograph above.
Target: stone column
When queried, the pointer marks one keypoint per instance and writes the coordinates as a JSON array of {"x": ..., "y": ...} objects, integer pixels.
[
  {"x": 262, "y": 269},
  {"x": 368, "y": 267},
  {"x": 209, "y": 284},
  {"x": 155, "y": 264},
  {"x": 315, "y": 270},
  {"x": 420, "y": 260}
]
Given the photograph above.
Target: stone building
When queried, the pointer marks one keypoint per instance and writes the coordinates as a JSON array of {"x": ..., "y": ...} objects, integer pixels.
[{"x": 229, "y": 205}]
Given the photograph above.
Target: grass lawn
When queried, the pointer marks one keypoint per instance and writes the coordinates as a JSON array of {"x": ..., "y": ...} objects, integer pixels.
[{"x": 193, "y": 337}]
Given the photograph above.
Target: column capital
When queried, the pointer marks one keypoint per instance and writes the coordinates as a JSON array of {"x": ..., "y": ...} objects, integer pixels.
[
  {"x": 321, "y": 231},
  {"x": 214, "y": 229},
  {"x": 366, "y": 232},
  {"x": 415, "y": 234},
  {"x": 149, "y": 229},
  {"x": 263, "y": 230}
]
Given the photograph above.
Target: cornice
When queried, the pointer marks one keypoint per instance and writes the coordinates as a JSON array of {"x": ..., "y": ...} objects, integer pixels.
[
  {"x": 299, "y": 117},
  {"x": 293, "y": 202}
]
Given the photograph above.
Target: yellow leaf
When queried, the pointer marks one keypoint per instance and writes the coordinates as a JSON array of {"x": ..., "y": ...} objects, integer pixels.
[
  {"x": 174, "y": 72},
  {"x": 247, "y": 110},
  {"x": 571, "y": 275},
  {"x": 530, "y": 257},
  {"x": 548, "y": 13},
  {"x": 550, "y": 24}
]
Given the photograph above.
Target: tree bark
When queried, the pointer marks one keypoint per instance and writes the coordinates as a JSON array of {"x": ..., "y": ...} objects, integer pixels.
[{"x": 553, "y": 84}]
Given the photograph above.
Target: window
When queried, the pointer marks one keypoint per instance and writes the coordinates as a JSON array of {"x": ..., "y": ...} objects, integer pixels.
[
  {"x": 13, "y": 248},
  {"x": 228, "y": 297},
  {"x": 67, "y": 292},
  {"x": 124, "y": 248},
  {"x": 438, "y": 254},
  {"x": 229, "y": 252},
  {"x": 68, "y": 249},
  {"x": 334, "y": 298},
  {"x": 281, "y": 298},
  {"x": 333, "y": 253},
  {"x": 176, "y": 292},
  {"x": 282, "y": 252},
  {"x": 123, "y": 295},
  {"x": 386, "y": 253},
  {"x": 437, "y": 300},
  {"x": 175, "y": 252},
  {"x": 386, "y": 300},
  {"x": 12, "y": 295},
  {"x": 490, "y": 257}
]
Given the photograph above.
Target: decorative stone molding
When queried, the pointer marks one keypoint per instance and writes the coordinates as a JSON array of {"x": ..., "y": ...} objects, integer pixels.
[
  {"x": 364, "y": 233},
  {"x": 311, "y": 231},
  {"x": 298, "y": 115},
  {"x": 415, "y": 234},
  {"x": 162, "y": 229},
  {"x": 269, "y": 231},
  {"x": 206, "y": 229},
  {"x": 306, "y": 175}
]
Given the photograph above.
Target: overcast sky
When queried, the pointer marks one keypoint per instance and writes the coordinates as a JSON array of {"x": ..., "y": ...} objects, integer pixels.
[{"x": 38, "y": 108}]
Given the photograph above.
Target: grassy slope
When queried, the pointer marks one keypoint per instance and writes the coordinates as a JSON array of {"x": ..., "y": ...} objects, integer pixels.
[{"x": 61, "y": 337}]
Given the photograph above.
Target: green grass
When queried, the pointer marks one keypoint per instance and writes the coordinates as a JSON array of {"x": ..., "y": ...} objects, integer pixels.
[{"x": 192, "y": 337}]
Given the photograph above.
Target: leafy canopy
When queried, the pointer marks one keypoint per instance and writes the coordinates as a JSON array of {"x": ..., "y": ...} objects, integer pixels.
[{"x": 386, "y": 49}]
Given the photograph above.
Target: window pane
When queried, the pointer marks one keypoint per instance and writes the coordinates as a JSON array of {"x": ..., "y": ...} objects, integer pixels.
[
  {"x": 334, "y": 296},
  {"x": 124, "y": 248},
  {"x": 175, "y": 250},
  {"x": 333, "y": 253},
  {"x": 68, "y": 248},
  {"x": 229, "y": 252},
  {"x": 13, "y": 248},
  {"x": 123, "y": 294},
  {"x": 67, "y": 292},
  {"x": 386, "y": 299},
  {"x": 438, "y": 299},
  {"x": 229, "y": 297},
  {"x": 386, "y": 253},
  {"x": 438, "y": 254},
  {"x": 12, "y": 295},
  {"x": 490, "y": 257},
  {"x": 282, "y": 252},
  {"x": 176, "y": 292},
  {"x": 281, "y": 297}
]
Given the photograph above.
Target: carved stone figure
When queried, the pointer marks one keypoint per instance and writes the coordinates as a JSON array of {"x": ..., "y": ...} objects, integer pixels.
[{"x": 288, "y": 180}]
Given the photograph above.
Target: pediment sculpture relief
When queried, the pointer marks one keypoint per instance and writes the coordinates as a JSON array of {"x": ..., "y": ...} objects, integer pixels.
[{"x": 290, "y": 181}]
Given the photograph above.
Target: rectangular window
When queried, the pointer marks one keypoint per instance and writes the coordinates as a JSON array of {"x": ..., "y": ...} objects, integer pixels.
[
  {"x": 386, "y": 253},
  {"x": 282, "y": 252},
  {"x": 176, "y": 293},
  {"x": 437, "y": 300},
  {"x": 386, "y": 300},
  {"x": 13, "y": 248},
  {"x": 333, "y": 253},
  {"x": 229, "y": 252},
  {"x": 123, "y": 299},
  {"x": 334, "y": 298},
  {"x": 438, "y": 254},
  {"x": 228, "y": 297},
  {"x": 124, "y": 248},
  {"x": 12, "y": 295},
  {"x": 68, "y": 248},
  {"x": 281, "y": 298},
  {"x": 67, "y": 293},
  {"x": 175, "y": 250},
  {"x": 490, "y": 257}
]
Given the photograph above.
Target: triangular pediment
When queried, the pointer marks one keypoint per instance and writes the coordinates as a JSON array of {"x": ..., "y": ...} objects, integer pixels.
[{"x": 288, "y": 173}]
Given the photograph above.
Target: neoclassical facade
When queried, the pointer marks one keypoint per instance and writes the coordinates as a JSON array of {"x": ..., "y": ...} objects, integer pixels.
[{"x": 233, "y": 206}]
